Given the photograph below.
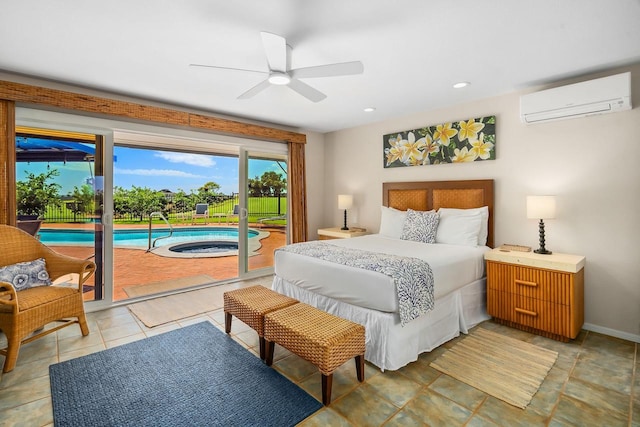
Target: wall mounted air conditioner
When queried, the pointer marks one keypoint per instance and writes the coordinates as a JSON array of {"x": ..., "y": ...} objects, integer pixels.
[{"x": 605, "y": 95}]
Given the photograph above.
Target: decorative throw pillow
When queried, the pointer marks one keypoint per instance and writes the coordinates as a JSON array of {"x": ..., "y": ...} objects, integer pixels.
[
  {"x": 25, "y": 275},
  {"x": 420, "y": 226}
]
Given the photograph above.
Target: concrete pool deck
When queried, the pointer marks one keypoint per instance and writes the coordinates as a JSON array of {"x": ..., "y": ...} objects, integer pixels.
[{"x": 136, "y": 267}]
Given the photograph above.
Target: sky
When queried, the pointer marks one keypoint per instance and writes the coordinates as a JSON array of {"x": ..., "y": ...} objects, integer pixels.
[{"x": 155, "y": 169}]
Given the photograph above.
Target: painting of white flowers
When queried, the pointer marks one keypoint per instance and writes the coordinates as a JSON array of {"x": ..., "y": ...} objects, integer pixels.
[{"x": 455, "y": 142}]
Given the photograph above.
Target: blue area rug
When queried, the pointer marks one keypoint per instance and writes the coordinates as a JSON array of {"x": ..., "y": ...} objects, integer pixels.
[{"x": 194, "y": 376}]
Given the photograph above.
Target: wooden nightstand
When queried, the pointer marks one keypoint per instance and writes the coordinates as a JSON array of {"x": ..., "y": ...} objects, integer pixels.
[
  {"x": 543, "y": 294},
  {"x": 336, "y": 233}
]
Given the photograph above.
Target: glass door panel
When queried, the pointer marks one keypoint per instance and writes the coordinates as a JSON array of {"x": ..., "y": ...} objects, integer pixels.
[
  {"x": 59, "y": 180},
  {"x": 266, "y": 209},
  {"x": 174, "y": 219}
]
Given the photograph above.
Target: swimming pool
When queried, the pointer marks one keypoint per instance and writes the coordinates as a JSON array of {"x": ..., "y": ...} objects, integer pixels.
[{"x": 139, "y": 238}]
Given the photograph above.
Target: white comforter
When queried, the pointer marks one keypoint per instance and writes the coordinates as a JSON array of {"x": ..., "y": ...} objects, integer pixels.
[{"x": 453, "y": 266}]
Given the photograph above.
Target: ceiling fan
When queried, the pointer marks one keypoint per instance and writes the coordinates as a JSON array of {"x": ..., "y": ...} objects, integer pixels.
[{"x": 279, "y": 73}]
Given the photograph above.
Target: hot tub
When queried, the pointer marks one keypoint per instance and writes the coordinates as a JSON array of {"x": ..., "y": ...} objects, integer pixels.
[
  {"x": 206, "y": 247},
  {"x": 209, "y": 248}
]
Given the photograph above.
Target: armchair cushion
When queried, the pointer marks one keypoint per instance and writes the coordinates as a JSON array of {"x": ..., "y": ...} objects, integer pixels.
[
  {"x": 24, "y": 275},
  {"x": 35, "y": 297}
]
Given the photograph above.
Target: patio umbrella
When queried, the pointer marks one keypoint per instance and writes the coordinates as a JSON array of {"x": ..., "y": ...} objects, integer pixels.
[{"x": 47, "y": 150}]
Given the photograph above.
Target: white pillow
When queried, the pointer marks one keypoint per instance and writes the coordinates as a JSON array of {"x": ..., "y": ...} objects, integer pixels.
[
  {"x": 391, "y": 222},
  {"x": 484, "y": 224},
  {"x": 420, "y": 226},
  {"x": 460, "y": 229}
]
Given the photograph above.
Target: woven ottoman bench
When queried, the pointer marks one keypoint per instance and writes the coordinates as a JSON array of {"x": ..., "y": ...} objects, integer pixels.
[
  {"x": 250, "y": 305},
  {"x": 321, "y": 338}
]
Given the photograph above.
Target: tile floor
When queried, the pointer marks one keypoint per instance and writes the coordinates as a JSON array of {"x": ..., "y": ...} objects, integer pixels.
[{"x": 595, "y": 382}]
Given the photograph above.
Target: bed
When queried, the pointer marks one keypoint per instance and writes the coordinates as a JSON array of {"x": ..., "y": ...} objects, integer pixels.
[{"x": 369, "y": 297}]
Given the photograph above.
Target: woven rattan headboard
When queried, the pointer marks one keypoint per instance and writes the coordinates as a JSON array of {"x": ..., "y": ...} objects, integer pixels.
[{"x": 423, "y": 196}]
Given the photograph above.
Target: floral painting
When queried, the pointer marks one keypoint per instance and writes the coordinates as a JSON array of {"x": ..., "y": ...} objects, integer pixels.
[{"x": 454, "y": 142}]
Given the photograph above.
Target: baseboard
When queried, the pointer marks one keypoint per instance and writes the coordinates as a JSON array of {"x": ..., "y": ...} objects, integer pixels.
[{"x": 612, "y": 332}]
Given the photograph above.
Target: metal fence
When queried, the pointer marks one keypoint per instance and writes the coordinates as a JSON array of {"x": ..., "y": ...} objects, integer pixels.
[{"x": 258, "y": 208}]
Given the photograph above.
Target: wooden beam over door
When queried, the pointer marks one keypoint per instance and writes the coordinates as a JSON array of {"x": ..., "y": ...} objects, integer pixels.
[
  {"x": 24, "y": 93},
  {"x": 11, "y": 92}
]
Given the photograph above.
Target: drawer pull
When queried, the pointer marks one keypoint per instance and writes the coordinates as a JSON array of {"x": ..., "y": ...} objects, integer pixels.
[
  {"x": 525, "y": 283},
  {"x": 527, "y": 312}
]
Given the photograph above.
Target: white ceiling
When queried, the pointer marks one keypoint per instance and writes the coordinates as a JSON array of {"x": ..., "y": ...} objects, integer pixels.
[{"x": 413, "y": 51}]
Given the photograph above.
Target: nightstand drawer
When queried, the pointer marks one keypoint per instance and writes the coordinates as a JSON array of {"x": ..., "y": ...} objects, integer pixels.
[
  {"x": 544, "y": 285},
  {"x": 542, "y": 315},
  {"x": 530, "y": 282},
  {"x": 530, "y": 312}
]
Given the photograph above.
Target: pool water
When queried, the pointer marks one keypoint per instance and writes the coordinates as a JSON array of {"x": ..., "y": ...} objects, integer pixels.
[{"x": 139, "y": 238}]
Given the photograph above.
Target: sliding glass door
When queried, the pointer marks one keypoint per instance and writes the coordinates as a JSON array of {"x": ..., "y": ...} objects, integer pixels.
[{"x": 265, "y": 209}]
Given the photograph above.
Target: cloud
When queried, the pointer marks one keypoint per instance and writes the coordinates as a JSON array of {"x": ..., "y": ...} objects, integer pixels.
[
  {"x": 156, "y": 172},
  {"x": 186, "y": 158}
]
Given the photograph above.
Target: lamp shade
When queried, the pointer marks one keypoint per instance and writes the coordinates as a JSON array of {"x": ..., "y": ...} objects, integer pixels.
[
  {"x": 541, "y": 207},
  {"x": 345, "y": 201}
]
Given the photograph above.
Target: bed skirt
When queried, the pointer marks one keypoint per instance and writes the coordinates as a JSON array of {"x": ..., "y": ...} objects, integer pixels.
[{"x": 391, "y": 346}]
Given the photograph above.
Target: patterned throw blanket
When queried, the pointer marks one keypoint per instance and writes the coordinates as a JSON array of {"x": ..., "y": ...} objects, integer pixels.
[{"x": 412, "y": 276}]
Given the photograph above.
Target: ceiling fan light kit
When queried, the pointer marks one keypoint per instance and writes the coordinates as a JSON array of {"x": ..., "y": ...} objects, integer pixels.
[
  {"x": 279, "y": 74},
  {"x": 278, "y": 78}
]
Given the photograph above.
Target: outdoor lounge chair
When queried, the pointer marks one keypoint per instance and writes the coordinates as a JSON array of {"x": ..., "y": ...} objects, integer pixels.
[
  {"x": 24, "y": 312},
  {"x": 202, "y": 211},
  {"x": 236, "y": 213}
]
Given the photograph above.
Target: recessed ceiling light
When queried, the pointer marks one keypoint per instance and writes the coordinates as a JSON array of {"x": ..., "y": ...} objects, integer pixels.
[
  {"x": 460, "y": 85},
  {"x": 369, "y": 109}
]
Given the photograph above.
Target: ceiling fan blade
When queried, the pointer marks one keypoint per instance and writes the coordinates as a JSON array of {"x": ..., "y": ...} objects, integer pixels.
[
  {"x": 307, "y": 91},
  {"x": 329, "y": 70},
  {"x": 275, "y": 47},
  {"x": 255, "y": 90},
  {"x": 228, "y": 68}
]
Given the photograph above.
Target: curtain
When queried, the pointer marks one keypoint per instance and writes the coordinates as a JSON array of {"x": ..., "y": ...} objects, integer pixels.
[
  {"x": 7, "y": 163},
  {"x": 298, "y": 189}
]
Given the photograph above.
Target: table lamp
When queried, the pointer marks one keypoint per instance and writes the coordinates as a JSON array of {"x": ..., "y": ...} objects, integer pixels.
[
  {"x": 345, "y": 201},
  {"x": 541, "y": 207}
]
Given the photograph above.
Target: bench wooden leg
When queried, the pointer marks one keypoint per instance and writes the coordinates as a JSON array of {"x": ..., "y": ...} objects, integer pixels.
[
  {"x": 327, "y": 382},
  {"x": 360, "y": 367},
  {"x": 262, "y": 348},
  {"x": 268, "y": 349},
  {"x": 227, "y": 322}
]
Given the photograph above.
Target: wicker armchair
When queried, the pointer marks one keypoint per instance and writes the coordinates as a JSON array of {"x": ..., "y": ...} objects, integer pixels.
[{"x": 25, "y": 311}]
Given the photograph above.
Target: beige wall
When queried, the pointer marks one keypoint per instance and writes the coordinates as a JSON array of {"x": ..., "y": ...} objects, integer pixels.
[
  {"x": 314, "y": 160},
  {"x": 591, "y": 164}
]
